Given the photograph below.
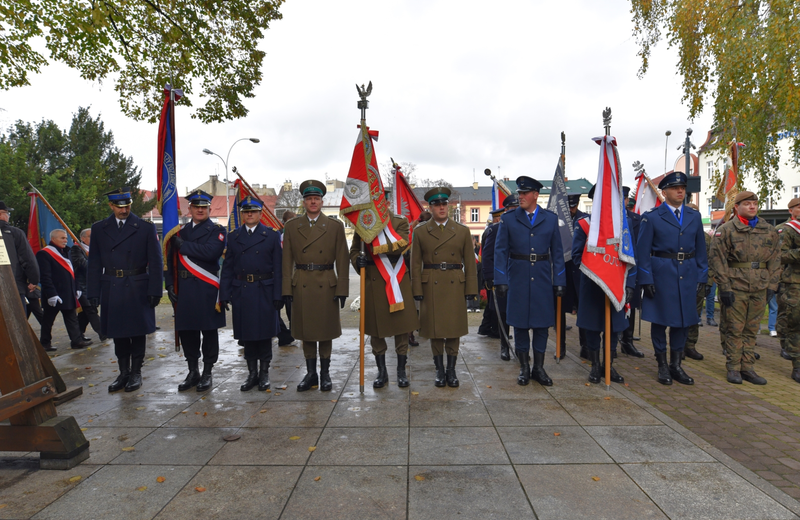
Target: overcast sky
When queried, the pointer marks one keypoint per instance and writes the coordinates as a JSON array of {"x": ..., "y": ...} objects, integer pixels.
[{"x": 458, "y": 86}]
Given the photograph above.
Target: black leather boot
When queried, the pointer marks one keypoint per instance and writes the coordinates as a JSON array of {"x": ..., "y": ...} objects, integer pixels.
[
  {"x": 192, "y": 378},
  {"x": 412, "y": 341},
  {"x": 664, "y": 376},
  {"x": 784, "y": 354},
  {"x": 626, "y": 344},
  {"x": 596, "y": 375},
  {"x": 311, "y": 378},
  {"x": 537, "y": 370},
  {"x": 751, "y": 377},
  {"x": 252, "y": 376},
  {"x": 325, "y": 384},
  {"x": 692, "y": 353},
  {"x": 402, "y": 379},
  {"x": 675, "y": 369},
  {"x": 438, "y": 362},
  {"x": 450, "y": 373},
  {"x": 135, "y": 379},
  {"x": 504, "y": 354},
  {"x": 615, "y": 377},
  {"x": 796, "y": 374},
  {"x": 383, "y": 376},
  {"x": 263, "y": 375},
  {"x": 524, "y": 369},
  {"x": 124, "y": 373},
  {"x": 206, "y": 380}
]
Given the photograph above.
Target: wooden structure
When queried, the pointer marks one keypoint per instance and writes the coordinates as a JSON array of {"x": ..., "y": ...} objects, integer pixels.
[{"x": 29, "y": 384}]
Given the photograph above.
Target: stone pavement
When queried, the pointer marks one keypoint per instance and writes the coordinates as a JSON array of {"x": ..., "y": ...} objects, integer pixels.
[{"x": 489, "y": 449}]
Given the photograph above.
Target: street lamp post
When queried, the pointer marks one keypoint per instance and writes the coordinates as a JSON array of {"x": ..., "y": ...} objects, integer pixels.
[{"x": 225, "y": 162}]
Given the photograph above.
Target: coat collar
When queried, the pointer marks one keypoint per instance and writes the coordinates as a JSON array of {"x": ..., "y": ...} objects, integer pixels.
[
  {"x": 201, "y": 229},
  {"x": 522, "y": 216},
  {"x": 313, "y": 233},
  {"x": 247, "y": 240},
  {"x": 132, "y": 225},
  {"x": 442, "y": 236},
  {"x": 665, "y": 211}
]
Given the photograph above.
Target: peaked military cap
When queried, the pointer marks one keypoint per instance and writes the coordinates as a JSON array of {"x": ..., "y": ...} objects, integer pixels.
[
  {"x": 497, "y": 211},
  {"x": 120, "y": 197},
  {"x": 511, "y": 201},
  {"x": 526, "y": 184},
  {"x": 792, "y": 203},
  {"x": 199, "y": 198},
  {"x": 3, "y": 207},
  {"x": 312, "y": 187},
  {"x": 625, "y": 192},
  {"x": 574, "y": 199},
  {"x": 745, "y": 195},
  {"x": 437, "y": 193},
  {"x": 672, "y": 180},
  {"x": 250, "y": 204}
]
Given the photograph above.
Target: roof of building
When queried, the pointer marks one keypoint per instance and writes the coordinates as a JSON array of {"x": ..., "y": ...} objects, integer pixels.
[{"x": 484, "y": 193}]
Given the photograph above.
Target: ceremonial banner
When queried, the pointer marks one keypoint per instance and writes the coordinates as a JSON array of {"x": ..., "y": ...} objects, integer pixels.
[
  {"x": 167, "y": 192},
  {"x": 727, "y": 190},
  {"x": 268, "y": 218},
  {"x": 608, "y": 254},
  {"x": 646, "y": 195},
  {"x": 41, "y": 221},
  {"x": 498, "y": 196},
  {"x": 558, "y": 203},
  {"x": 404, "y": 201}
]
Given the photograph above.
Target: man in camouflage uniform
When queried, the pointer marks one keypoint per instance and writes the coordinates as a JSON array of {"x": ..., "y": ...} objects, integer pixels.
[
  {"x": 781, "y": 323},
  {"x": 744, "y": 256},
  {"x": 702, "y": 291},
  {"x": 789, "y": 292}
]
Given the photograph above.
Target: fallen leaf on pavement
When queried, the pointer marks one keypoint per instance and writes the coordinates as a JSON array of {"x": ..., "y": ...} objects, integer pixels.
[
  {"x": 231, "y": 438},
  {"x": 312, "y": 448},
  {"x": 587, "y": 384},
  {"x": 607, "y": 398},
  {"x": 129, "y": 448},
  {"x": 140, "y": 407},
  {"x": 294, "y": 438},
  {"x": 595, "y": 478},
  {"x": 142, "y": 488},
  {"x": 75, "y": 479},
  {"x": 160, "y": 479},
  {"x": 316, "y": 479},
  {"x": 200, "y": 489},
  {"x": 84, "y": 429},
  {"x": 414, "y": 393},
  {"x": 488, "y": 386},
  {"x": 205, "y": 414},
  {"x": 557, "y": 434},
  {"x": 79, "y": 378},
  {"x": 419, "y": 477},
  {"x": 262, "y": 411}
]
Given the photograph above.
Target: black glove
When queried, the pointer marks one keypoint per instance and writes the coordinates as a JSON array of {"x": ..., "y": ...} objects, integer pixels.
[
  {"x": 341, "y": 300},
  {"x": 154, "y": 301},
  {"x": 501, "y": 290},
  {"x": 649, "y": 290},
  {"x": 488, "y": 284},
  {"x": 628, "y": 294},
  {"x": 559, "y": 289},
  {"x": 171, "y": 294},
  {"x": 418, "y": 298},
  {"x": 94, "y": 302},
  {"x": 727, "y": 298},
  {"x": 288, "y": 299},
  {"x": 226, "y": 304},
  {"x": 770, "y": 294},
  {"x": 470, "y": 297},
  {"x": 177, "y": 241},
  {"x": 278, "y": 304},
  {"x": 361, "y": 262},
  {"x": 708, "y": 290}
]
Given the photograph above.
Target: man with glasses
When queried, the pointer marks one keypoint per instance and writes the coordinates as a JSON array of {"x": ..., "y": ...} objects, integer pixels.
[{"x": 443, "y": 277}]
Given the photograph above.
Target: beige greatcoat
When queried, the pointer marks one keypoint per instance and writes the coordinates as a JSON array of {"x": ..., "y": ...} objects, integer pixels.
[
  {"x": 378, "y": 321},
  {"x": 315, "y": 313},
  {"x": 443, "y": 309}
]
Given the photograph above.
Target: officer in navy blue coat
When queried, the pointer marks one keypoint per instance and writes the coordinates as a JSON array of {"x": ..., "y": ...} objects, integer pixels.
[
  {"x": 529, "y": 273},
  {"x": 572, "y": 297},
  {"x": 198, "y": 247},
  {"x": 487, "y": 257},
  {"x": 125, "y": 281},
  {"x": 591, "y": 314},
  {"x": 251, "y": 282},
  {"x": 671, "y": 252},
  {"x": 626, "y": 338}
]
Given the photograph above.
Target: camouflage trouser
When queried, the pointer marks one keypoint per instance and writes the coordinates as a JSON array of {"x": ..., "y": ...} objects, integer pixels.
[
  {"x": 723, "y": 329},
  {"x": 790, "y": 298},
  {"x": 781, "y": 325},
  {"x": 741, "y": 326},
  {"x": 694, "y": 330}
]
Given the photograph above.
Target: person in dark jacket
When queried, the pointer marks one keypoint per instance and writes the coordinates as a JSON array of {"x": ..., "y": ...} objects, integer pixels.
[
  {"x": 79, "y": 255},
  {"x": 492, "y": 328},
  {"x": 59, "y": 290},
  {"x": 23, "y": 262},
  {"x": 626, "y": 338},
  {"x": 125, "y": 281},
  {"x": 194, "y": 262}
]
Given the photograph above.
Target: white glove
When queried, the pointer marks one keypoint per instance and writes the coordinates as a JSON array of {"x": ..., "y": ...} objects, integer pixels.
[
  {"x": 79, "y": 293},
  {"x": 52, "y": 302}
]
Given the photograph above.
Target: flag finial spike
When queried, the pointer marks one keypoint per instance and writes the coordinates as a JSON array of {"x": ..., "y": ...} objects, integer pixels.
[
  {"x": 363, "y": 93},
  {"x": 607, "y": 120},
  {"x": 638, "y": 167},
  {"x": 563, "y": 138}
]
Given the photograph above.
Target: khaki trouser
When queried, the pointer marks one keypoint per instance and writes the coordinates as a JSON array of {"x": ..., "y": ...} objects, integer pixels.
[
  {"x": 400, "y": 345},
  {"x": 441, "y": 345},
  {"x": 310, "y": 349},
  {"x": 741, "y": 323}
]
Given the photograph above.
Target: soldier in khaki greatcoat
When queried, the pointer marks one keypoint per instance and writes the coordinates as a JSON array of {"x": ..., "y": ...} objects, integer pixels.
[
  {"x": 443, "y": 276},
  {"x": 746, "y": 263},
  {"x": 315, "y": 281},
  {"x": 379, "y": 322}
]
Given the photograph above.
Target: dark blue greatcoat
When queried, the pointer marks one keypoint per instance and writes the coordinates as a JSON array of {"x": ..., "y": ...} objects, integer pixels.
[
  {"x": 675, "y": 304},
  {"x": 124, "y": 311},
  {"x": 592, "y": 313},
  {"x": 634, "y": 221},
  {"x": 56, "y": 280},
  {"x": 487, "y": 251},
  {"x": 531, "y": 302},
  {"x": 197, "y": 299},
  {"x": 254, "y": 316}
]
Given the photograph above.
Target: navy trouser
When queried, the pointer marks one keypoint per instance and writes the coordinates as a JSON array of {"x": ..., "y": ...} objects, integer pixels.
[
  {"x": 677, "y": 337},
  {"x": 522, "y": 339},
  {"x": 594, "y": 337},
  {"x": 190, "y": 340},
  {"x": 256, "y": 350}
]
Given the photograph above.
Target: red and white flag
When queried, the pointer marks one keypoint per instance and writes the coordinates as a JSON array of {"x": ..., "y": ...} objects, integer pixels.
[
  {"x": 404, "y": 201},
  {"x": 646, "y": 197},
  {"x": 608, "y": 254}
]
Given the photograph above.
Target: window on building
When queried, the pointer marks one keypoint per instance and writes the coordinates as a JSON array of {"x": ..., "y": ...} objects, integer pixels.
[
  {"x": 457, "y": 214},
  {"x": 795, "y": 192},
  {"x": 474, "y": 215},
  {"x": 588, "y": 209},
  {"x": 710, "y": 205},
  {"x": 710, "y": 167}
]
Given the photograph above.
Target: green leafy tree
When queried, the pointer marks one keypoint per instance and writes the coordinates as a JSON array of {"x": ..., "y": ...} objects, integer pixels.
[
  {"x": 743, "y": 55},
  {"x": 209, "y": 48},
  {"x": 71, "y": 168}
]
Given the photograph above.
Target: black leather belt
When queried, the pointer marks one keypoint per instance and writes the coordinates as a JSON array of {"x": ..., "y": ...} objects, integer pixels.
[
  {"x": 674, "y": 256},
  {"x": 185, "y": 274},
  {"x": 314, "y": 267},
  {"x": 122, "y": 273},
  {"x": 748, "y": 265},
  {"x": 532, "y": 258},
  {"x": 444, "y": 266},
  {"x": 254, "y": 277}
]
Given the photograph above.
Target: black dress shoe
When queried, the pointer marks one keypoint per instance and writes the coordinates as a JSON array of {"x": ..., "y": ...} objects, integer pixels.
[
  {"x": 85, "y": 337},
  {"x": 734, "y": 377},
  {"x": 712, "y": 322},
  {"x": 81, "y": 344},
  {"x": 692, "y": 353},
  {"x": 48, "y": 347},
  {"x": 751, "y": 377}
]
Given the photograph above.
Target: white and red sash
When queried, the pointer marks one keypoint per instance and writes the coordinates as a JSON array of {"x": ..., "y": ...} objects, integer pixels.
[
  {"x": 794, "y": 225},
  {"x": 201, "y": 274},
  {"x": 63, "y": 262}
]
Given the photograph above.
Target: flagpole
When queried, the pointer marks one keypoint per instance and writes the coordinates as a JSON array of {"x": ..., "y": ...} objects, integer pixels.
[
  {"x": 607, "y": 335},
  {"x": 558, "y": 298},
  {"x": 362, "y": 105},
  {"x": 66, "y": 228}
]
